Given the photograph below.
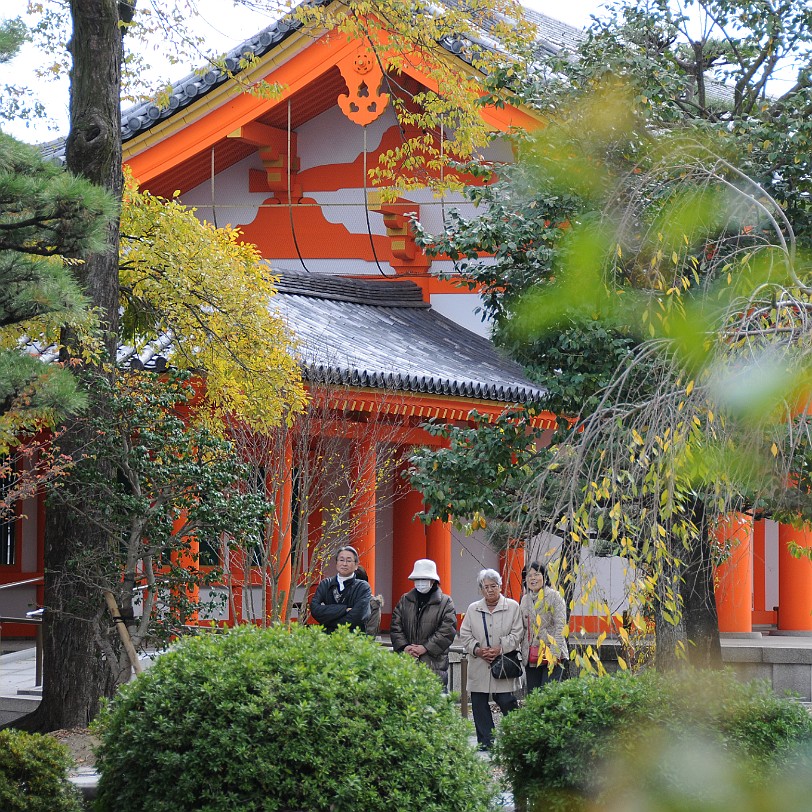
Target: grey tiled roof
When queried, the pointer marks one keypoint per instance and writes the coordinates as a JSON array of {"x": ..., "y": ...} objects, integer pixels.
[
  {"x": 553, "y": 35},
  {"x": 382, "y": 335}
]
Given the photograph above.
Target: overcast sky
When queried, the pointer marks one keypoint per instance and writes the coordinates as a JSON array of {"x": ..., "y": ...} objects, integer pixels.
[{"x": 224, "y": 27}]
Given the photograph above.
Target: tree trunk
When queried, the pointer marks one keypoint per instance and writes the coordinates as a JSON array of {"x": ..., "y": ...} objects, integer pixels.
[
  {"x": 699, "y": 598},
  {"x": 669, "y": 632},
  {"x": 75, "y": 675}
]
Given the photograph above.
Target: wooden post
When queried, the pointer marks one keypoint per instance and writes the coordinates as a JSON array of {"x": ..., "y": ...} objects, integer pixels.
[{"x": 123, "y": 632}]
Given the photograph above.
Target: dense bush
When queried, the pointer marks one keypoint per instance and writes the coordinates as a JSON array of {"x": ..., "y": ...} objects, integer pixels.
[
  {"x": 34, "y": 774},
  {"x": 287, "y": 719},
  {"x": 556, "y": 746}
]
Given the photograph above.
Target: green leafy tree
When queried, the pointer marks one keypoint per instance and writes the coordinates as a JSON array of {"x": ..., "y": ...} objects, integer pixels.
[
  {"x": 176, "y": 489},
  {"x": 661, "y": 254},
  {"x": 47, "y": 219}
]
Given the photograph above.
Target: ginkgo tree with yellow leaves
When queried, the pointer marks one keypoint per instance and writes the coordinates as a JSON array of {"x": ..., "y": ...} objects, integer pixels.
[
  {"x": 453, "y": 46},
  {"x": 205, "y": 296},
  {"x": 173, "y": 479}
]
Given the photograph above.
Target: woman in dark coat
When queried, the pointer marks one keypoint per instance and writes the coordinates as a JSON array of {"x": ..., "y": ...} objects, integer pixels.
[
  {"x": 342, "y": 599},
  {"x": 424, "y": 622}
]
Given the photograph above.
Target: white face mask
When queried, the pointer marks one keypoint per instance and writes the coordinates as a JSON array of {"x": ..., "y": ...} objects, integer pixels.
[{"x": 423, "y": 585}]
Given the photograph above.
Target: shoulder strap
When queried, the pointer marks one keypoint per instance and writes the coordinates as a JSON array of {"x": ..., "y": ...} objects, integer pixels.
[{"x": 485, "y": 624}]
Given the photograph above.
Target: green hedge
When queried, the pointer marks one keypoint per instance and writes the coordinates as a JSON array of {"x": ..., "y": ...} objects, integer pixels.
[
  {"x": 34, "y": 774},
  {"x": 287, "y": 719},
  {"x": 556, "y": 746}
]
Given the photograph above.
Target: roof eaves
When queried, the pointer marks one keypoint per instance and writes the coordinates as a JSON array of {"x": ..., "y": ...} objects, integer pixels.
[{"x": 420, "y": 384}]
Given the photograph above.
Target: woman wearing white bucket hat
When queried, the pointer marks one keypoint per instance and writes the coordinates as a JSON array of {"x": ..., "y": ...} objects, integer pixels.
[{"x": 424, "y": 622}]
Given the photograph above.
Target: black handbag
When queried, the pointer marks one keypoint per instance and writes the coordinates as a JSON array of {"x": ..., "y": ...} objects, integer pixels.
[{"x": 507, "y": 665}]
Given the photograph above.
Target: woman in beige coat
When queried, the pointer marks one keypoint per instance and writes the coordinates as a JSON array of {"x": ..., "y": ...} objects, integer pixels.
[{"x": 503, "y": 620}]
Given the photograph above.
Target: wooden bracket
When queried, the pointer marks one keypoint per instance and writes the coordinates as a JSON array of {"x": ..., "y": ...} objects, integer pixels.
[
  {"x": 273, "y": 150},
  {"x": 406, "y": 256}
]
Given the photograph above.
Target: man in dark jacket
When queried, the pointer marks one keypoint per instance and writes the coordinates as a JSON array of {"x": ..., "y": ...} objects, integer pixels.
[
  {"x": 342, "y": 599},
  {"x": 424, "y": 622}
]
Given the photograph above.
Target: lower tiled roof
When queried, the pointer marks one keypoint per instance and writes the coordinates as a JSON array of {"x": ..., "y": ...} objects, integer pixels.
[{"x": 382, "y": 335}]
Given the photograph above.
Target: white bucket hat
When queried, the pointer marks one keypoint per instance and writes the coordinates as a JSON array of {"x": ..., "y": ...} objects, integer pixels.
[{"x": 425, "y": 568}]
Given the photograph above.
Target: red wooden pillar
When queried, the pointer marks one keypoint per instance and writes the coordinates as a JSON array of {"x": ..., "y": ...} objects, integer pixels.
[
  {"x": 281, "y": 538},
  {"x": 511, "y": 562},
  {"x": 734, "y": 577},
  {"x": 363, "y": 506},
  {"x": 188, "y": 558},
  {"x": 438, "y": 549},
  {"x": 409, "y": 536},
  {"x": 235, "y": 578},
  {"x": 317, "y": 567},
  {"x": 794, "y": 581},
  {"x": 315, "y": 530}
]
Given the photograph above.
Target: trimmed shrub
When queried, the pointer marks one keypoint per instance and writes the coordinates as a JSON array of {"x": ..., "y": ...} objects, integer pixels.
[
  {"x": 34, "y": 774},
  {"x": 557, "y": 745},
  {"x": 287, "y": 719}
]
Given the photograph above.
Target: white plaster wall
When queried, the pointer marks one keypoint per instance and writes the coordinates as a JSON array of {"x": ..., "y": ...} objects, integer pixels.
[
  {"x": 460, "y": 307},
  {"x": 16, "y": 602},
  {"x": 469, "y": 555},
  {"x": 332, "y": 138},
  {"x": 222, "y": 612},
  {"x": 612, "y": 573},
  {"x": 770, "y": 564},
  {"x": 235, "y": 205}
]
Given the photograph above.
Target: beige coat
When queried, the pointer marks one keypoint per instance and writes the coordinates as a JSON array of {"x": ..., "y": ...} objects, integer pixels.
[
  {"x": 546, "y": 623},
  {"x": 504, "y": 629}
]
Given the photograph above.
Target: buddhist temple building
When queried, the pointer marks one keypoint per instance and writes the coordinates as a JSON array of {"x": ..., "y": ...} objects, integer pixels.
[{"x": 386, "y": 343}]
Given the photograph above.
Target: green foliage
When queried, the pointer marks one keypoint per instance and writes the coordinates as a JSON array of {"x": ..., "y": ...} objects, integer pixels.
[
  {"x": 47, "y": 211},
  {"x": 33, "y": 774},
  {"x": 282, "y": 719},
  {"x": 557, "y": 745},
  {"x": 12, "y": 35},
  {"x": 170, "y": 482},
  {"x": 46, "y": 215},
  {"x": 480, "y": 471},
  {"x": 210, "y": 291}
]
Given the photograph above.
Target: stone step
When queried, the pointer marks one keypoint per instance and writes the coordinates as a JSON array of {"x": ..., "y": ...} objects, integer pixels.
[{"x": 13, "y": 707}]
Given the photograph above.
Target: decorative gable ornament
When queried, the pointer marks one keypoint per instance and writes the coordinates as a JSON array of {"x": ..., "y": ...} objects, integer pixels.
[{"x": 363, "y": 75}]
